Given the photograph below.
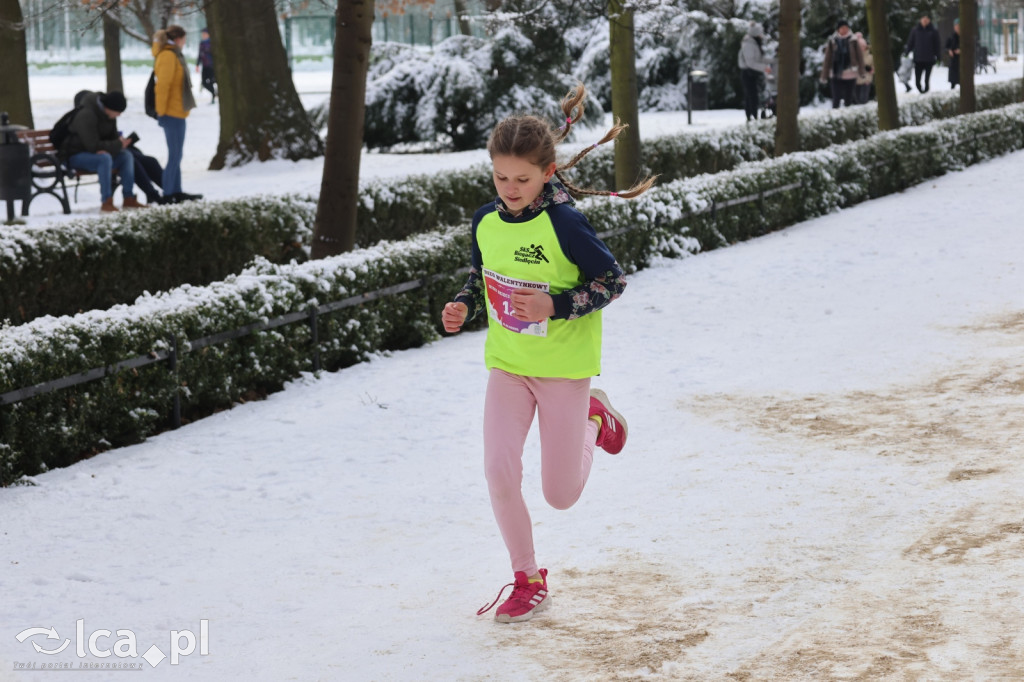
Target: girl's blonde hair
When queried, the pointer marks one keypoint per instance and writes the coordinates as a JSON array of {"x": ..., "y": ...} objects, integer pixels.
[{"x": 530, "y": 138}]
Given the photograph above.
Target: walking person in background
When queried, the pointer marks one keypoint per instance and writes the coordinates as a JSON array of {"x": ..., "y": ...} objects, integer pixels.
[
  {"x": 843, "y": 65},
  {"x": 94, "y": 144},
  {"x": 541, "y": 275},
  {"x": 205, "y": 61},
  {"x": 862, "y": 90},
  {"x": 174, "y": 100},
  {"x": 953, "y": 50},
  {"x": 753, "y": 66},
  {"x": 924, "y": 46}
]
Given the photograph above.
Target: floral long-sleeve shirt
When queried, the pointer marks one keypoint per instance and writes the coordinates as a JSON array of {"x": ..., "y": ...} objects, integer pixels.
[{"x": 603, "y": 279}]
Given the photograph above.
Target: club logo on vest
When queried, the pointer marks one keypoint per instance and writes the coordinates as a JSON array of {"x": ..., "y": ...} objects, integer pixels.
[{"x": 531, "y": 255}]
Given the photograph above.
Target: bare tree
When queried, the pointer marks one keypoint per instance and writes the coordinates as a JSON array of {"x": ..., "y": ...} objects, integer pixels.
[
  {"x": 14, "y": 56},
  {"x": 787, "y": 131},
  {"x": 335, "y": 228},
  {"x": 968, "y": 50},
  {"x": 261, "y": 116},
  {"x": 881, "y": 52},
  {"x": 628, "y": 167},
  {"x": 152, "y": 14}
]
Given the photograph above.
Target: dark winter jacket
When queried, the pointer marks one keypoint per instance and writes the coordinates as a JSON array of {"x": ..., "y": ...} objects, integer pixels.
[
  {"x": 91, "y": 130},
  {"x": 205, "y": 54},
  {"x": 953, "y": 45},
  {"x": 924, "y": 44}
]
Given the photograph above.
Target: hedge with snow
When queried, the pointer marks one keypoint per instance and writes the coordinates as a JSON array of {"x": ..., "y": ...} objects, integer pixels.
[
  {"x": 674, "y": 219},
  {"x": 98, "y": 262}
]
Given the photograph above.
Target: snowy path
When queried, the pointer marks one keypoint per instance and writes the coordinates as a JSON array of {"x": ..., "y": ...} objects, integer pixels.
[{"x": 822, "y": 482}]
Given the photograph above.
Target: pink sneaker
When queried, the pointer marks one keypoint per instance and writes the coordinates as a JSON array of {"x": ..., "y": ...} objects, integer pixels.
[
  {"x": 612, "y": 436},
  {"x": 526, "y": 599}
]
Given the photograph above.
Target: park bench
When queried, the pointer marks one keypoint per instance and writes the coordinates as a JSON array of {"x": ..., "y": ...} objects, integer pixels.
[{"x": 50, "y": 173}]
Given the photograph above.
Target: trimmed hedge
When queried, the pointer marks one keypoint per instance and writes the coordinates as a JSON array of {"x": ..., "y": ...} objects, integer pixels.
[
  {"x": 98, "y": 262},
  {"x": 674, "y": 219},
  {"x": 420, "y": 203},
  {"x": 59, "y": 428}
]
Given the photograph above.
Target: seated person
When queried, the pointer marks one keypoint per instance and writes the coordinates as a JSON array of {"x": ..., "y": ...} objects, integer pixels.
[
  {"x": 94, "y": 144},
  {"x": 148, "y": 174}
]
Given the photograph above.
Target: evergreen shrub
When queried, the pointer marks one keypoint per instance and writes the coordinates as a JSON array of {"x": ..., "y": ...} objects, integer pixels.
[
  {"x": 392, "y": 210},
  {"x": 95, "y": 263},
  {"x": 674, "y": 219}
]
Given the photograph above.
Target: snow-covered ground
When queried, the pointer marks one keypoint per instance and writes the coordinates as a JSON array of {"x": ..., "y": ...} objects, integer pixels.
[{"x": 822, "y": 482}]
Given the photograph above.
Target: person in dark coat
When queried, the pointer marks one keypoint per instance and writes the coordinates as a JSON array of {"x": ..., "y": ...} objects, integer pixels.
[
  {"x": 205, "y": 62},
  {"x": 94, "y": 144},
  {"x": 148, "y": 171},
  {"x": 925, "y": 46},
  {"x": 953, "y": 49}
]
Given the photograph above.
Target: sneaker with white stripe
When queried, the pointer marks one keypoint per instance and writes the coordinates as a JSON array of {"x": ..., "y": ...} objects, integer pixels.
[
  {"x": 612, "y": 436},
  {"x": 527, "y": 598}
]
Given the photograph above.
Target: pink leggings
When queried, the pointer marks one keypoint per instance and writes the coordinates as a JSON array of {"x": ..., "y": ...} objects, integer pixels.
[{"x": 567, "y": 440}]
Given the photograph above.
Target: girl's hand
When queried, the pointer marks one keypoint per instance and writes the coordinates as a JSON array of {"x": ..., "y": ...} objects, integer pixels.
[
  {"x": 530, "y": 305},
  {"x": 453, "y": 316}
]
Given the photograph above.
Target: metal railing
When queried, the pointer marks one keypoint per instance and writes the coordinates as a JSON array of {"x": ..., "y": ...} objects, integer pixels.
[{"x": 174, "y": 352}]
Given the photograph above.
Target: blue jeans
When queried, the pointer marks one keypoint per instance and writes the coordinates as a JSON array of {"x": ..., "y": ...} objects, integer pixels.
[
  {"x": 174, "y": 131},
  {"x": 104, "y": 165}
]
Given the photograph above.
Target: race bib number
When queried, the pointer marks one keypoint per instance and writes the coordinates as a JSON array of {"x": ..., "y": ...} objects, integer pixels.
[{"x": 499, "y": 302}]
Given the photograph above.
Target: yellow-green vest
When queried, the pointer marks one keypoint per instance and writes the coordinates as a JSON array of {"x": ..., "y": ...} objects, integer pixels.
[{"x": 572, "y": 348}]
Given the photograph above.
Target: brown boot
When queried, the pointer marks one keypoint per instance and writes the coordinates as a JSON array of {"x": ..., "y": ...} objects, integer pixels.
[
  {"x": 108, "y": 206},
  {"x": 132, "y": 202}
]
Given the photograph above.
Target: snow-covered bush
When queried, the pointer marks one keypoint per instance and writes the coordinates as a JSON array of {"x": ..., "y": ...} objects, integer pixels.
[
  {"x": 392, "y": 210},
  {"x": 666, "y": 49},
  {"x": 56, "y": 429},
  {"x": 454, "y": 96},
  {"x": 97, "y": 262},
  {"x": 673, "y": 219}
]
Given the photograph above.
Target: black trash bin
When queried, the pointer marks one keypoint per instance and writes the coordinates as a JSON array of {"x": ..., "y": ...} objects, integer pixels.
[
  {"x": 15, "y": 166},
  {"x": 700, "y": 94}
]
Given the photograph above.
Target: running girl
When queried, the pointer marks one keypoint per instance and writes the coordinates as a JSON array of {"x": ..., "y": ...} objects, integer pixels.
[{"x": 542, "y": 275}]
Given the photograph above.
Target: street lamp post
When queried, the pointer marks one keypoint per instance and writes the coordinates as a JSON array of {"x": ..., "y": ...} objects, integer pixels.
[{"x": 689, "y": 93}]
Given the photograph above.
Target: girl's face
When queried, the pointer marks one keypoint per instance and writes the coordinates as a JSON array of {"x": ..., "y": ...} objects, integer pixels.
[{"x": 519, "y": 181}]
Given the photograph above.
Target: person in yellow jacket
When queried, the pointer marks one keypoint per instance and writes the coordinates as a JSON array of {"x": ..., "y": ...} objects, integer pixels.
[{"x": 174, "y": 100}]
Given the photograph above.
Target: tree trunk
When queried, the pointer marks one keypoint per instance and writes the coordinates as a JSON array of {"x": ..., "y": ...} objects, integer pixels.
[
  {"x": 335, "y": 227},
  {"x": 112, "y": 51},
  {"x": 787, "y": 101},
  {"x": 461, "y": 14},
  {"x": 261, "y": 116},
  {"x": 14, "y": 56},
  {"x": 628, "y": 167},
  {"x": 885, "y": 87},
  {"x": 968, "y": 52}
]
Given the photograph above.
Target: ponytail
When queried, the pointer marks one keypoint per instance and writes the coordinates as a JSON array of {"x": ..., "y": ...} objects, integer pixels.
[{"x": 572, "y": 107}]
